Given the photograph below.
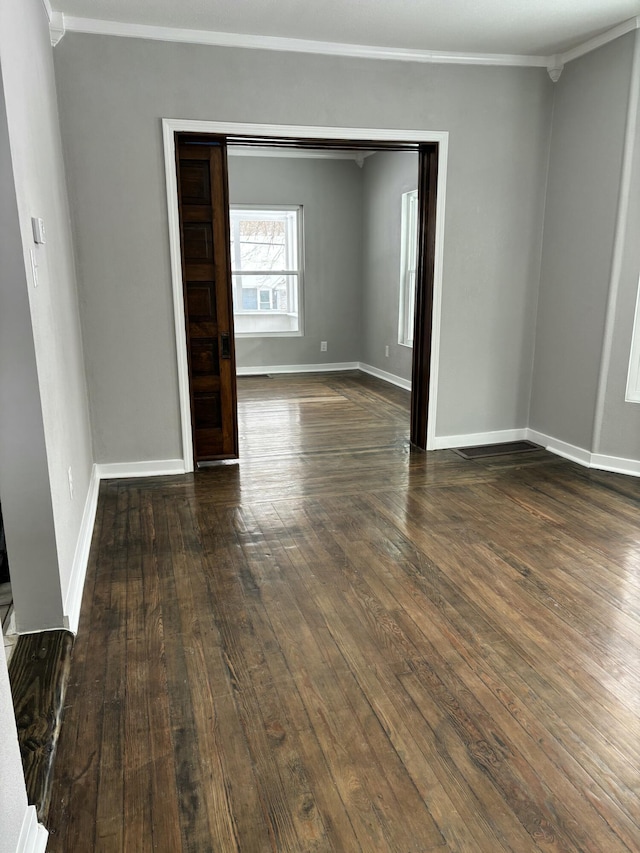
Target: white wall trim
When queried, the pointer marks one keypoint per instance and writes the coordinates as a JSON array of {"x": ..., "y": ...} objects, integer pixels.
[
  {"x": 615, "y": 464},
  {"x": 331, "y": 367},
  {"x": 178, "y": 294},
  {"x": 615, "y": 275},
  {"x": 171, "y": 126},
  {"x": 33, "y": 835},
  {"x": 266, "y": 370},
  {"x": 572, "y": 452},
  {"x": 256, "y": 42},
  {"x": 57, "y": 27},
  {"x": 434, "y": 370},
  {"x": 151, "y": 468},
  {"x": 561, "y": 448},
  {"x": 446, "y": 442},
  {"x": 298, "y": 153},
  {"x": 392, "y": 378},
  {"x": 600, "y": 40},
  {"x": 632, "y": 393},
  {"x": 73, "y": 598},
  {"x": 600, "y": 461}
]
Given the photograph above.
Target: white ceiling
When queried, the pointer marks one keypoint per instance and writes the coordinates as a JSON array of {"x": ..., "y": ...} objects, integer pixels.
[{"x": 526, "y": 27}]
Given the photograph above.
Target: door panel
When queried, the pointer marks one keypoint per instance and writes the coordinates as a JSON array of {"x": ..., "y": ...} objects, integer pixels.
[
  {"x": 423, "y": 316},
  {"x": 204, "y": 231}
]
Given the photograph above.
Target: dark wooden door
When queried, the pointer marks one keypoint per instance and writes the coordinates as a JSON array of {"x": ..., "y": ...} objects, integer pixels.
[
  {"x": 204, "y": 233},
  {"x": 423, "y": 318}
]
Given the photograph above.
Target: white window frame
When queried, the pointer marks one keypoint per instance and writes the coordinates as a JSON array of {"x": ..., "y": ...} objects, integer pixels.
[
  {"x": 298, "y": 272},
  {"x": 408, "y": 267},
  {"x": 633, "y": 377}
]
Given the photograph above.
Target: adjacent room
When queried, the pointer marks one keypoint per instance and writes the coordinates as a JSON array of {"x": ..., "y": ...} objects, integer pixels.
[
  {"x": 355, "y": 238},
  {"x": 326, "y": 637}
]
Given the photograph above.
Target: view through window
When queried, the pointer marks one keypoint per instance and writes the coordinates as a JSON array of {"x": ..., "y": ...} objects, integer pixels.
[
  {"x": 266, "y": 266},
  {"x": 408, "y": 262}
]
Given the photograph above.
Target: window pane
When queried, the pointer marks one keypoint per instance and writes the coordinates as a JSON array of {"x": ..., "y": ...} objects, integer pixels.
[
  {"x": 410, "y": 305},
  {"x": 249, "y": 298},
  {"x": 265, "y": 268},
  {"x": 262, "y": 245},
  {"x": 409, "y": 254},
  {"x": 265, "y": 300},
  {"x": 263, "y": 240},
  {"x": 276, "y": 293}
]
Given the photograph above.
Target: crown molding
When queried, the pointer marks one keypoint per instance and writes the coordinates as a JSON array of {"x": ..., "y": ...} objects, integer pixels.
[
  {"x": 554, "y": 63},
  {"x": 57, "y": 27},
  {"x": 298, "y": 153},
  {"x": 554, "y": 68},
  {"x": 598, "y": 41},
  {"x": 252, "y": 42},
  {"x": 56, "y": 22}
]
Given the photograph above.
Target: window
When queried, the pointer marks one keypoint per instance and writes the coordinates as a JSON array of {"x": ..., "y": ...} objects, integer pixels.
[
  {"x": 408, "y": 261},
  {"x": 633, "y": 377},
  {"x": 266, "y": 268}
]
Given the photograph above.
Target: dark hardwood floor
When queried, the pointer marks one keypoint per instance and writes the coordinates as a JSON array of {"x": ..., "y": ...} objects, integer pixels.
[{"x": 339, "y": 644}]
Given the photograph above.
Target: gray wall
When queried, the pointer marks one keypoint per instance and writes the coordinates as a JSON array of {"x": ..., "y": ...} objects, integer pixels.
[
  {"x": 387, "y": 176},
  {"x": 584, "y": 179},
  {"x": 40, "y": 190},
  {"x": 331, "y": 194},
  {"x": 13, "y": 793},
  {"x": 25, "y": 488},
  {"x": 112, "y": 94},
  {"x": 620, "y": 433},
  {"x": 19, "y": 385}
]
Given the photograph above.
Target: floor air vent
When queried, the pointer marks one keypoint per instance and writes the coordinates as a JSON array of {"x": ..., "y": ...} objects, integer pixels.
[{"x": 484, "y": 450}]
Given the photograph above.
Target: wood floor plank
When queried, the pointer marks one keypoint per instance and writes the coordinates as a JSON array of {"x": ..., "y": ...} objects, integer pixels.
[
  {"x": 519, "y": 725},
  {"x": 109, "y": 829},
  {"x": 82, "y": 722},
  {"x": 281, "y": 775},
  {"x": 154, "y": 702},
  {"x": 473, "y": 632},
  {"x": 340, "y": 644},
  {"x": 328, "y": 684},
  {"x": 344, "y": 626}
]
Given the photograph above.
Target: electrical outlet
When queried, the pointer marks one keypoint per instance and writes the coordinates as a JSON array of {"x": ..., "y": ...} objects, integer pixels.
[
  {"x": 386, "y": 351},
  {"x": 323, "y": 346},
  {"x": 70, "y": 475}
]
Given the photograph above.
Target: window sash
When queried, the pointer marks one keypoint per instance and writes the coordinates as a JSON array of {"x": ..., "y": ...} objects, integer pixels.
[
  {"x": 408, "y": 267},
  {"x": 284, "y": 301}
]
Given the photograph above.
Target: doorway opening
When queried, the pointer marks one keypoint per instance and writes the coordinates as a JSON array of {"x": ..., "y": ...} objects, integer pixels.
[{"x": 188, "y": 144}]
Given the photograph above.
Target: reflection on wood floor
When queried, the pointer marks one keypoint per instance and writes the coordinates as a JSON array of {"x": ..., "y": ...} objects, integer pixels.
[{"x": 339, "y": 644}]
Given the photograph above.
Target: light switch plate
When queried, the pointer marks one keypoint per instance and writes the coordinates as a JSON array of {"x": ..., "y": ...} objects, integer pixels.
[{"x": 37, "y": 226}]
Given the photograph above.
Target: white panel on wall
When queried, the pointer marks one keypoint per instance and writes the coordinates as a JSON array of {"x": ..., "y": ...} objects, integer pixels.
[{"x": 633, "y": 378}]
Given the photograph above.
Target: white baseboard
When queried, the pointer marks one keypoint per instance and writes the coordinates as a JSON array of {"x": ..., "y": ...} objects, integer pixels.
[
  {"x": 561, "y": 448},
  {"x": 73, "y": 598},
  {"x": 330, "y": 367},
  {"x": 150, "y": 468},
  {"x": 383, "y": 374},
  {"x": 445, "y": 442},
  {"x": 600, "y": 461},
  {"x": 616, "y": 464},
  {"x": 33, "y": 835}
]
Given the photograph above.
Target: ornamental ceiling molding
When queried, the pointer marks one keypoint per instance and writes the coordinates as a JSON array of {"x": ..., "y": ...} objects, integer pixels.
[{"x": 59, "y": 24}]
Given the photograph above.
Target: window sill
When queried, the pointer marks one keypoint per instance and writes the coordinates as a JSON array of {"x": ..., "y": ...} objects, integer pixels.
[
  {"x": 402, "y": 344},
  {"x": 258, "y": 313},
  {"x": 240, "y": 335}
]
